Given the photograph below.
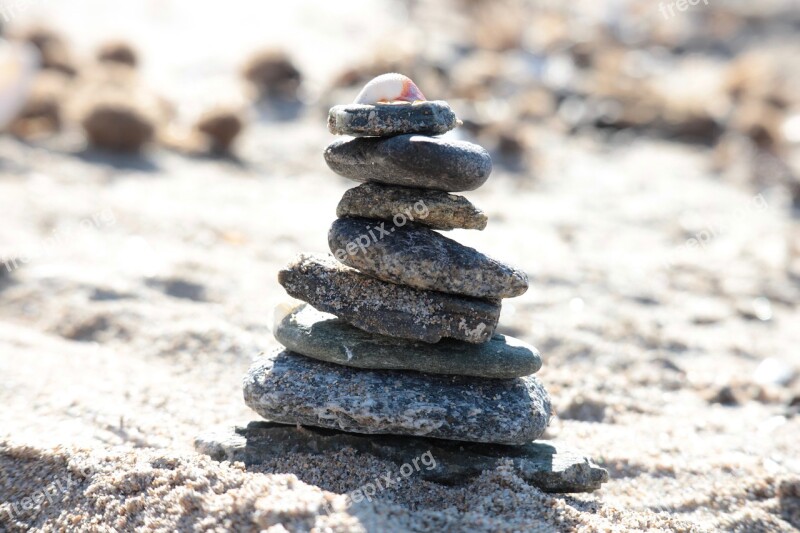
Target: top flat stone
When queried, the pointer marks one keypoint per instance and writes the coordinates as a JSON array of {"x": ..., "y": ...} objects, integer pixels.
[{"x": 384, "y": 120}]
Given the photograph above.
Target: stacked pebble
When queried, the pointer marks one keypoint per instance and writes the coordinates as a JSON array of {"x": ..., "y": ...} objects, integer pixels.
[{"x": 397, "y": 336}]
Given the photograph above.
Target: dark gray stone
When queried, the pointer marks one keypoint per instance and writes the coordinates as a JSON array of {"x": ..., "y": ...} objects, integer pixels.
[
  {"x": 435, "y": 209},
  {"x": 383, "y": 120},
  {"x": 312, "y": 333},
  {"x": 411, "y": 161},
  {"x": 386, "y": 308},
  {"x": 543, "y": 464},
  {"x": 294, "y": 389},
  {"x": 419, "y": 257}
]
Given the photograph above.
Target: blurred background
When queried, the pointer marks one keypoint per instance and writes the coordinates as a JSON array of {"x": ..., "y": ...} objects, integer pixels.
[{"x": 165, "y": 161}]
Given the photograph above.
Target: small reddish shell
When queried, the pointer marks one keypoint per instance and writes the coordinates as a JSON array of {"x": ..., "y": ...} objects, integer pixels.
[{"x": 387, "y": 88}]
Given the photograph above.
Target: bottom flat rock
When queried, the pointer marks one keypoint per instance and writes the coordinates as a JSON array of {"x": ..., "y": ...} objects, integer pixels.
[
  {"x": 293, "y": 389},
  {"x": 543, "y": 464}
]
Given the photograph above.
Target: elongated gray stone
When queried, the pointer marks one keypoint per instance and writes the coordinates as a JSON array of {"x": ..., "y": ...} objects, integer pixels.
[
  {"x": 544, "y": 464},
  {"x": 386, "y": 308},
  {"x": 304, "y": 330},
  {"x": 294, "y": 389},
  {"x": 434, "y": 209},
  {"x": 382, "y": 120},
  {"x": 421, "y": 258},
  {"x": 411, "y": 161}
]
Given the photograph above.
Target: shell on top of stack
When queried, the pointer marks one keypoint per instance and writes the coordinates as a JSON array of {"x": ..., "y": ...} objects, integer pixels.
[{"x": 397, "y": 332}]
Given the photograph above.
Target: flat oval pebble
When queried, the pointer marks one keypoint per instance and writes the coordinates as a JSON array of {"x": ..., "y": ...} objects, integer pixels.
[
  {"x": 294, "y": 389},
  {"x": 386, "y": 308},
  {"x": 312, "y": 333},
  {"x": 383, "y": 120},
  {"x": 421, "y": 258},
  {"x": 434, "y": 209},
  {"x": 411, "y": 161}
]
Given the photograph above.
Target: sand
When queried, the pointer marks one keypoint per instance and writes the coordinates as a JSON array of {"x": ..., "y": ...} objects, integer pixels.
[
  {"x": 128, "y": 337},
  {"x": 136, "y": 291}
]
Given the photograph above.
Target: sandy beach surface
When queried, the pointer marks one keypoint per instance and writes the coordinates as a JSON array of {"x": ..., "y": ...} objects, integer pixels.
[{"x": 136, "y": 291}]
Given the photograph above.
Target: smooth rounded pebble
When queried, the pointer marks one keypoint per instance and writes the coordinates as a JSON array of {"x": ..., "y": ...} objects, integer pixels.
[
  {"x": 304, "y": 330},
  {"x": 294, "y": 389},
  {"x": 383, "y": 120},
  {"x": 386, "y": 308},
  {"x": 421, "y": 258},
  {"x": 411, "y": 161},
  {"x": 435, "y": 209}
]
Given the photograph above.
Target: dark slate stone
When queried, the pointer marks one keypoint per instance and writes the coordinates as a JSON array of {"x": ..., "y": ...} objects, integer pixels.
[
  {"x": 419, "y": 257},
  {"x": 434, "y": 209},
  {"x": 293, "y": 389},
  {"x": 312, "y": 333},
  {"x": 383, "y": 120},
  {"x": 386, "y": 308},
  {"x": 411, "y": 161},
  {"x": 545, "y": 465}
]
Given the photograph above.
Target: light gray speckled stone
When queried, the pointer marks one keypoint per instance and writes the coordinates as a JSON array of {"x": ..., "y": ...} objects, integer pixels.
[
  {"x": 545, "y": 465},
  {"x": 304, "y": 330},
  {"x": 294, "y": 389},
  {"x": 411, "y": 161},
  {"x": 386, "y": 308},
  {"x": 435, "y": 209},
  {"x": 382, "y": 120},
  {"x": 421, "y": 258}
]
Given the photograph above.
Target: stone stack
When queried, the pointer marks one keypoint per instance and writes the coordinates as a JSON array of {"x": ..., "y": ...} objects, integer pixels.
[{"x": 397, "y": 335}]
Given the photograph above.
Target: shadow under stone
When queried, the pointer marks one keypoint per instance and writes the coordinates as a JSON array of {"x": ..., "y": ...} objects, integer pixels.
[{"x": 540, "y": 463}]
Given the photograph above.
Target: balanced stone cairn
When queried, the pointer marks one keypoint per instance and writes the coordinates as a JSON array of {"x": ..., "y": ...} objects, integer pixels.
[{"x": 397, "y": 335}]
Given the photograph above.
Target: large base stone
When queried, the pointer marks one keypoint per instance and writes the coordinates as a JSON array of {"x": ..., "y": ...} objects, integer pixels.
[
  {"x": 293, "y": 389},
  {"x": 545, "y": 465}
]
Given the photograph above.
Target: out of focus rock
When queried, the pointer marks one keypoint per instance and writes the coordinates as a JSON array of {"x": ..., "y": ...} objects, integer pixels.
[
  {"x": 759, "y": 122},
  {"x": 117, "y": 121},
  {"x": 53, "y": 49},
  {"x": 119, "y": 52},
  {"x": 273, "y": 74},
  {"x": 725, "y": 395},
  {"x": 221, "y": 127},
  {"x": 43, "y": 111}
]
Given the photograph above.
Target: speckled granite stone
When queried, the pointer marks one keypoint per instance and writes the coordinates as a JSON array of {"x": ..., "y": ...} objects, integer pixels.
[
  {"x": 421, "y": 258},
  {"x": 411, "y": 161},
  {"x": 386, "y": 308},
  {"x": 434, "y": 209},
  {"x": 293, "y": 389},
  {"x": 304, "y": 330},
  {"x": 383, "y": 120}
]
